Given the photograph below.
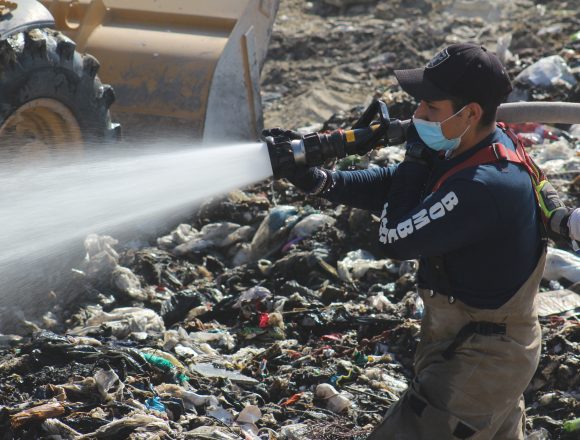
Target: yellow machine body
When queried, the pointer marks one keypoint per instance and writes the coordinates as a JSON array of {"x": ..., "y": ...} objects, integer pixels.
[{"x": 178, "y": 67}]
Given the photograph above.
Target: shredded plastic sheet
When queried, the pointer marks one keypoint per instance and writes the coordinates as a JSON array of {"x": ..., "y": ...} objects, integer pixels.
[{"x": 556, "y": 302}]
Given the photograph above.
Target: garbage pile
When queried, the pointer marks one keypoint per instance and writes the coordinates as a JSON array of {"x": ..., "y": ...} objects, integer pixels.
[
  {"x": 329, "y": 55},
  {"x": 268, "y": 315},
  {"x": 272, "y": 315}
]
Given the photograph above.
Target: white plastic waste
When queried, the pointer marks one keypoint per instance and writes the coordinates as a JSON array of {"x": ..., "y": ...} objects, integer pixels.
[
  {"x": 562, "y": 264},
  {"x": 211, "y": 235},
  {"x": 59, "y": 430},
  {"x": 138, "y": 421},
  {"x": 378, "y": 374},
  {"x": 539, "y": 434},
  {"x": 182, "y": 234},
  {"x": 270, "y": 236},
  {"x": 95, "y": 244},
  {"x": 557, "y": 157},
  {"x": 357, "y": 263},
  {"x": 335, "y": 401},
  {"x": 574, "y": 224},
  {"x": 128, "y": 283},
  {"x": 560, "y": 149},
  {"x": 557, "y": 301},
  {"x": 380, "y": 302},
  {"x": 502, "y": 49},
  {"x": 109, "y": 386},
  {"x": 547, "y": 72},
  {"x": 221, "y": 414},
  {"x": 223, "y": 339},
  {"x": 311, "y": 224},
  {"x": 190, "y": 399},
  {"x": 247, "y": 419},
  {"x": 121, "y": 321}
]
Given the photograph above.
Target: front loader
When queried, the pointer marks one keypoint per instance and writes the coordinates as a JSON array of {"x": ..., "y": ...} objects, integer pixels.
[{"x": 174, "y": 68}]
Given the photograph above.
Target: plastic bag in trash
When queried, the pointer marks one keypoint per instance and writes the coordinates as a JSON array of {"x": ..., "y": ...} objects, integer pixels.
[
  {"x": 138, "y": 422},
  {"x": 380, "y": 302},
  {"x": 310, "y": 224},
  {"x": 384, "y": 379},
  {"x": 357, "y": 263},
  {"x": 561, "y": 264},
  {"x": 539, "y": 434},
  {"x": 248, "y": 417},
  {"x": 190, "y": 399},
  {"x": 211, "y": 235},
  {"x": 57, "y": 428},
  {"x": 182, "y": 234},
  {"x": 109, "y": 385},
  {"x": 128, "y": 283},
  {"x": 253, "y": 295},
  {"x": 94, "y": 244},
  {"x": 271, "y": 234},
  {"x": 120, "y": 322},
  {"x": 557, "y": 301},
  {"x": 335, "y": 401},
  {"x": 547, "y": 72}
]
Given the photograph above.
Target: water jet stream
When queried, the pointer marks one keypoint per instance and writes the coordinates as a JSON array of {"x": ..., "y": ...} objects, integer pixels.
[{"x": 46, "y": 206}]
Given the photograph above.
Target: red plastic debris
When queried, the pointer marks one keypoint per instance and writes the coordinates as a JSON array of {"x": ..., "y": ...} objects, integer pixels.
[
  {"x": 264, "y": 320},
  {"x": 292, "y": 399},
  {"x": 337, "y": 337}
]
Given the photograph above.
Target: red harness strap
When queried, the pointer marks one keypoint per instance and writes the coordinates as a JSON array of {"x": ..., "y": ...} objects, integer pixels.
[
  {"x": 498, "y": 153},
  {"x": 495, "y": 153}
]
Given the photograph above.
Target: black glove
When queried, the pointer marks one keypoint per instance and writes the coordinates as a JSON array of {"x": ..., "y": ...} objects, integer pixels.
[{"x": 311, "y": 180}]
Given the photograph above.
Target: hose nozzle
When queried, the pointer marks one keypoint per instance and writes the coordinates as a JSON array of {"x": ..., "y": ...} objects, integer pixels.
[{"x": 288, "y": 149}]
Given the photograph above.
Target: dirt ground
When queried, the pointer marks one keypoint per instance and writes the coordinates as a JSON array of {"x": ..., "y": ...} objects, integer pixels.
[{"x": 325, "y": 59}]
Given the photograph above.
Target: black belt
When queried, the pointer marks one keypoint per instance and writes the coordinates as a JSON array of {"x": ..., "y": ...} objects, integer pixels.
[{"x": 473, "y": 327}]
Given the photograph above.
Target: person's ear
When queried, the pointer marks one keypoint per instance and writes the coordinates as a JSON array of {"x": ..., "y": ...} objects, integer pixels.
[{"x": 475, "y": 113}]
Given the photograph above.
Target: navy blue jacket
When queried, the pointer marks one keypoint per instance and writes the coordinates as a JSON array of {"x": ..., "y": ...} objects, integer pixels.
[{"x": 483, "y": 221}]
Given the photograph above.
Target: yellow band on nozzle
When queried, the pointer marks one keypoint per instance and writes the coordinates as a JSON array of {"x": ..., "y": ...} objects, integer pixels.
[{"x": 349, "y": 135}]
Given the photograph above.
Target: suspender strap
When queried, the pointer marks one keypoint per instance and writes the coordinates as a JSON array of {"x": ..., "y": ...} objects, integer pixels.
[
  {"x": 496, "y": 153},
  {"x": 493, "y": 154},
  {"x": 474, "y": 327}
]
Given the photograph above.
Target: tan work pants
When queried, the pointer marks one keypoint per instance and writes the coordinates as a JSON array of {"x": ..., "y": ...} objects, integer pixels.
[{"x": 477, "y": 393}]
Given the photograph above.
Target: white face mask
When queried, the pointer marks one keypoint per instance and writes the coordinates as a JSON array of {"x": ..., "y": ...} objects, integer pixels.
[{"x": 432, "y": 135}]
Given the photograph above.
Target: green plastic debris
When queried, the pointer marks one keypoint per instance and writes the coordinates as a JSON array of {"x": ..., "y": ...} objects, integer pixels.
[
  {"x": 360, "y": 358},
  {"x": 572, "y": 425},
  {"x": 158, "y": 361},
  {"x": 575, "y": 36},
  {"x": 164, "y": 365}
]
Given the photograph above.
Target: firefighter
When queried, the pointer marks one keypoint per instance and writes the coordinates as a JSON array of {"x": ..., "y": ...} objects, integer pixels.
[{"x": 465, "y": 202}]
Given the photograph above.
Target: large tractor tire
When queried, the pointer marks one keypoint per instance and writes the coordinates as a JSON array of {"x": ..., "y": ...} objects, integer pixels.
[{"x": 50, "y": 97}]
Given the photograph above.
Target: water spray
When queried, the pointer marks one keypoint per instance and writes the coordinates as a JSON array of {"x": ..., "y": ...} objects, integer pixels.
[{"x": 49, "y": 207}]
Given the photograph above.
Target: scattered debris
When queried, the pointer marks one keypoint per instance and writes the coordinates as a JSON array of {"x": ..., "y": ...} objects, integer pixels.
[{"x": 269, "y": 314}]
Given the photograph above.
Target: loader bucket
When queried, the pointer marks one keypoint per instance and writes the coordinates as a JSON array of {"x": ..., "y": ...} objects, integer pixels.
[{"x": 178, "y": 67}]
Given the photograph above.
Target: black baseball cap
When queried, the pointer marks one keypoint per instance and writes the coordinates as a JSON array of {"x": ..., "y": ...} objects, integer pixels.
[{"x": 462, "y": 71}]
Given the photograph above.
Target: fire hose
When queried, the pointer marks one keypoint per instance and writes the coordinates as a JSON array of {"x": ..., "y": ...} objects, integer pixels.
[{"x": 376, "y": 129}]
